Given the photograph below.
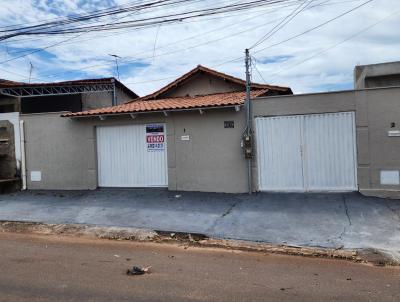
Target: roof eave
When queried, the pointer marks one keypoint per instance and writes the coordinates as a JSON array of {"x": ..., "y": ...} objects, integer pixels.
[{"x": 153, "y": 111}]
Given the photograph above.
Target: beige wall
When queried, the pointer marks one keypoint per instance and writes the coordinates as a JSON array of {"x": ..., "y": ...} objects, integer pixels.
[
  {"x": 375, "y": 110},
  {"x": 203, "y": 84},
  {"x": 64, "y": 150},
  {"x": 212, "y": 159}
]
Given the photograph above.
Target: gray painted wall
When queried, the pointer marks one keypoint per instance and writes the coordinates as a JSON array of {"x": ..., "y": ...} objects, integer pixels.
[
  {"x": 212, "y": 159},
  {"x": 94, "y": 100},
  {"x": 64, "y": 150},
  {"x": 375, "y": 110},
  {"x": 122, "y": 97}
]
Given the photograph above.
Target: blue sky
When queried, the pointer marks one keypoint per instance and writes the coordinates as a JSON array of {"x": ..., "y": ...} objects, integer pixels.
[{"x": 317, "y": 61}]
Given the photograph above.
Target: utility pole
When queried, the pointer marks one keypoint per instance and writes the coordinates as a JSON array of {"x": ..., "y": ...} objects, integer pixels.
[
  {"x": 247, "y": 62},
  {"x": 248, "y": 141},
  {"x": 116, "y": 63}
]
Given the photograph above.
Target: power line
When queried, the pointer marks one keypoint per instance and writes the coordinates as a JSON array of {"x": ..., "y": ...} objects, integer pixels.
[
  {"x": 57, "y": 43},
  {"x": 64, "y": 41},
  {"x": 180, "y": 50},
  {"x": 45, "y": 29},
  {"x": 337, "y": 44},
  {"x": 255, "y": 67},
  {"x": 140, "y": 5},
  {"x": 38, "y": 22},
  {"x": 322, "y": 24},
  {"x": 69, "y": 39},
  {"x": 325, "y": 3},
  {"x": 243, "y": 31},
  {"x": 283, "y": 22},
  {"x": 302, "y": 33},
  {"x": 126, "y": 60},
  {"x": 315, "y": 27}
]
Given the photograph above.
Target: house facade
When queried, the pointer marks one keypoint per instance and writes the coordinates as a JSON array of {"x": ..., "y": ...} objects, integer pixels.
[
  {"x": 189, "y": 136},
  {"x": 186, "y": 136}
]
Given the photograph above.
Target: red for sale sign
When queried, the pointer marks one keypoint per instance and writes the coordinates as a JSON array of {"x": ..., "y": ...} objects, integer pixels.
[{"x": 155, "y": 137}]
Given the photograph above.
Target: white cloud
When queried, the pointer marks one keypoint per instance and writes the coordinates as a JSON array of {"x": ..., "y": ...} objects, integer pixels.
[{"x": 333, "y": 68}]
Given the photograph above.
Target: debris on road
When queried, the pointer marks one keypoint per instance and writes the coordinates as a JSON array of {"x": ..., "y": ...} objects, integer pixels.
[
  {"x": 138, "y": 270},
  {"x": 285, "y": 288}
]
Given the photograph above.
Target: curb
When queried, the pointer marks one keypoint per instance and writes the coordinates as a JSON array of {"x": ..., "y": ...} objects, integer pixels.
[{"x": 192, "y": 239}]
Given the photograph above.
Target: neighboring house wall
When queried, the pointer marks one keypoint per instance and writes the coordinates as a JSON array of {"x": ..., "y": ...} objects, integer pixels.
[
  {"x": 13, "y": 118},
  {"x": 122, "y": 97},
  {"x": 94, "y": 100},
  {"x": 202, "y": 84},
  {"x": 8, "y": 104},
  {"x": 64, "y": 150},
  {"x": 377, "y": 75},
  {"x": 376, "y": 110}
]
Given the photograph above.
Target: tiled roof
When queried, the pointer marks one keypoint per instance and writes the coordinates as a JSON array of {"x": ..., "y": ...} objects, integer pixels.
[
  {"x": 224, "y": 76},
  {"x": 7, "y": 83},
  {"x": 11, "y": 84},
  {"x": 178, "y": 103}
]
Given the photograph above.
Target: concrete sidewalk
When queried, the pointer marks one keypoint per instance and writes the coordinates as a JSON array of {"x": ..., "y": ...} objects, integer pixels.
[{"x": 346, "y": 220}]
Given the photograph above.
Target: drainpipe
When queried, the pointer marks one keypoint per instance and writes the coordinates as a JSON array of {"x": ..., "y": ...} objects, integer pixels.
[
  {"x": 23, "y": 158},
  {"x": 248, "y": 133}
]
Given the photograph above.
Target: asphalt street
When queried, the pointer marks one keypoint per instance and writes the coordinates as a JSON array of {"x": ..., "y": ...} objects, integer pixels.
[{"x": 50, "y": 268}]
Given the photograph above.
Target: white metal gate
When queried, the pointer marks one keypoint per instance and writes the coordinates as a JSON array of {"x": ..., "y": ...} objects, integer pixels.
[
  {"x": 315, "y": 152},
  {"x": 131, "y": 156}
]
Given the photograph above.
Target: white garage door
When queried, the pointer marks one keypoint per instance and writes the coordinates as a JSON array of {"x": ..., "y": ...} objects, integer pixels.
[
  {"x": 315, "y": 152},
  {"x": 132, "y": 156}
]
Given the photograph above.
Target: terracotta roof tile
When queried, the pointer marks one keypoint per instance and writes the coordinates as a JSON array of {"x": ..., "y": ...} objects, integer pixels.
[{"x": 203, "y": 101}]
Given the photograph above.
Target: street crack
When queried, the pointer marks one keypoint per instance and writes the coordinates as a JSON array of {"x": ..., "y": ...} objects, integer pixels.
[
  {"x": 346, "y": 211},
  {"x": 228, "y": 211},
  {"x": 223, "y": 215}
]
